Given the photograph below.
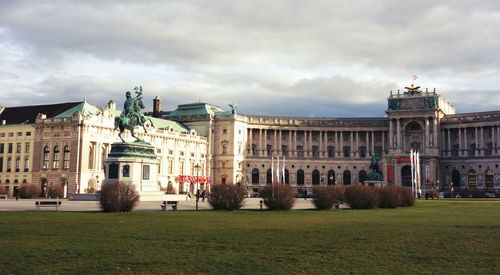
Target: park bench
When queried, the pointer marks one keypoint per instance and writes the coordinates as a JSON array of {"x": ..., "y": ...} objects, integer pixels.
[
  {"x": 3, "y": 196},
  {"x": 55, "y": 204},
  {"x": 166, "y": 203}
]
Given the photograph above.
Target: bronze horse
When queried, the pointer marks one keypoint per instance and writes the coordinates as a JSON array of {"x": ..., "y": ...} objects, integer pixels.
[{"x": 131, "y": 115}]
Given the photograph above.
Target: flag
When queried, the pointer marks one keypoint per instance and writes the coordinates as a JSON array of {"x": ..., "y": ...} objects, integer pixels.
[{"x": 414, "y": 77}]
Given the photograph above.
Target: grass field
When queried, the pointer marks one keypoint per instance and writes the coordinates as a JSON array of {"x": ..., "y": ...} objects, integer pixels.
[{"x": 433, "y": 237}]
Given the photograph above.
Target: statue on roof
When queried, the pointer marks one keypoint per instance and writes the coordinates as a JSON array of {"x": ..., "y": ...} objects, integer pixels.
[
  {"x": 233, "y": 108},
  {"x": 131, "y": 115}
]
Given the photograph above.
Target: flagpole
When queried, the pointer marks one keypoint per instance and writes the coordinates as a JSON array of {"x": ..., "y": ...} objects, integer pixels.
[
  {"x": 412, "y": 172},
  {"x": 272, "y": 169},
  {"x": 283, "y": 170},
  {"x": 418, "y": 169},
  {"x": 278, "y": 169}
]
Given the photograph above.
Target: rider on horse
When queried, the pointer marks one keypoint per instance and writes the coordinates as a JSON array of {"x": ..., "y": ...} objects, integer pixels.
[{"x": 132, "y": 113}]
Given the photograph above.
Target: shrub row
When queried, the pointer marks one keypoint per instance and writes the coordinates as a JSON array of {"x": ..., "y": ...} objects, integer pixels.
[
  {"x": 227, "y": 197},
  {"x": 363, "y": 197},
  {"x": 278, "y": 196}
]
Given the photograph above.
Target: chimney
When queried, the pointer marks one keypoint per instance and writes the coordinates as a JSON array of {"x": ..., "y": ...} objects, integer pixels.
[{"x": 156, "y": 106}]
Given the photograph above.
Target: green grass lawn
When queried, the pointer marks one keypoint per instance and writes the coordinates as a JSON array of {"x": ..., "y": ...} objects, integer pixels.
[{"x": 443, "y": 236}]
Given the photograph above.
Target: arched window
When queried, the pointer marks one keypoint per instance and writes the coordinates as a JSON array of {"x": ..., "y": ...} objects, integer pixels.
[
  {"x": 66, "y": 157},
  {"x": 331, "y": 152},
  {"x": 223, "y": 179},
  {"x": 91, "y": 155},
  {"x": 55, "y": 158},
  {"x": 45, "y": 162},
  {"x": 254, "y": 149},
  {"x": 455, "y": 179},
  {"x": 300, "y": 151},
  {"x": 224, "y": 147},
  {"x": 346, "y": 177},
  {"x": 255, "y": 176},
  {"x": 18, "y": 164},
  {"x": 27, "y": 164},
  {"x": 362, "y": 176},
  {"x": 315, "y": 152},
  {"x": 269, "y": 178},
  {"x": 472, "y": 178},
  {"x": 331, "y": 177},
  {"x": 284, "y": 150},
  {"x": 287, "y": 176},
  {"x": 347, "y": 151},
  {"x": 315, "y": 177},
  {"x": 9, "y": 164},
  {"x": 362, "y": 152},
  {"x": 300, "y": 177},
  {"x": 488, "y": 178}
]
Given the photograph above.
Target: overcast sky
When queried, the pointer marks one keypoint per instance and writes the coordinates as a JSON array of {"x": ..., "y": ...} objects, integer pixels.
[{"x": 290, "y": 58}]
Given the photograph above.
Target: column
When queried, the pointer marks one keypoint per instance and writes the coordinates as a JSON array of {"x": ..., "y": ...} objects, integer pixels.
[
  {"x": 476, "y": 140},
  {"x": 325, "y": 144},
  {"x": 265, "y": 143},
  {"x": 427, "y": 137},
  {"x": 391, "y": 134},
  {"x": 260, "y": 143},
  {"x": 250, "y": 137},
  {"x": 275, "y": 142},
  {"x": 352, "y": 143},
  {"x": 373, "y": 142},
  {"x": 295, "y": 142},
  {"x": 449, "y": 142},
  {"x": 398, "y": 134},
  {"x": 383, "y": 143},
  {"x": 435, "y": 133},
  {"x": 443, "y": 143},
  {"x": 341, "y": 151},
  {"x": 465, "y": 143},
  {"x": 310, "y": 141},
  {"x": 493, "y": 144},
  {"x": 460, "y": 153},
  {"x": 356, "y": 154},
  {"x": 335, "y": 144},
  {"x": 483, "y": 147},
  {"x": 320, "y": 149},
  {"x": 290, "y": 147}
]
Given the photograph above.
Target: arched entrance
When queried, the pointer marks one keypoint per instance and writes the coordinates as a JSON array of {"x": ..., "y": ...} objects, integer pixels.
[
  {"x": 406, "y": 176},
  {"x": 255, "y": 176},
  {"x": 362, "y": 176},
  {"x": 346, "y": 177},
  {"x": 300, "y": 177},
  {"x": 455, "y": 179},
  {"x": 331, "y": 177},
  {"x": 315, "y": 177}
]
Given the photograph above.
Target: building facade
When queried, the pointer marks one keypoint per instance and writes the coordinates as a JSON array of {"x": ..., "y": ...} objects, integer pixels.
[
  {"x": 67, "y": 143},
  {"x": 457, "y": 152}
]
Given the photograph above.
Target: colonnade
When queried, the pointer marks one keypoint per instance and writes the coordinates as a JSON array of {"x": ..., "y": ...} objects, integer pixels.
[{"x": 466, "y": 141}]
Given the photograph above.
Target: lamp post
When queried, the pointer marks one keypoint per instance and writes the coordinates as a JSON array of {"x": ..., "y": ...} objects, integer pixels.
[{"x": 197, "y": 166}]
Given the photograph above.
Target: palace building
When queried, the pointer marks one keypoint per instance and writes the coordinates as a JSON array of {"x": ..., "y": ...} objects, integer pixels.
[{"x": 199, "y": 143}]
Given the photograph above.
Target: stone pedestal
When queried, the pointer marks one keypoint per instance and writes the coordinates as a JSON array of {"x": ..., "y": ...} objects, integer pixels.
[
  {"x": 376, "y": 183},
  {"x": 135, "y": 163}
]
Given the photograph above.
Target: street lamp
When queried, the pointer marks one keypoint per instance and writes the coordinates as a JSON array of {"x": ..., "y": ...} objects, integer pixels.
[{"x": 197, "y": 166}]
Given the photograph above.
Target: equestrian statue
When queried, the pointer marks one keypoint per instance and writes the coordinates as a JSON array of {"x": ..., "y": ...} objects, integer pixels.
[{"x": 131, "y": 115}]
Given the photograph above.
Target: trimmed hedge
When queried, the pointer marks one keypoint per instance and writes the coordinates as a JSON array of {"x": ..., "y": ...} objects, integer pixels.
[
  {"x": 278, "y": 196},
  {"x": 227, "y": 197},
  {"x": 29, "y": 191},
  {"x": 361, "y": 196}
]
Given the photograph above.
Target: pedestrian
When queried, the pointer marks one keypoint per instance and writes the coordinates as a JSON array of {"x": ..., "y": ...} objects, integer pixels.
[
  {"x": 16, "y": 192},
  {"x": 426, "y": 195},
  {"x": 305, "y": 194},
  {"x": 203, "y": 195}
]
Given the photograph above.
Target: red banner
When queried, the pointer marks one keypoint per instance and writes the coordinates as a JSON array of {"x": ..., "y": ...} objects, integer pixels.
[
  {"x": 193, "y": 179},
  {"x": 402, "y": 159}
]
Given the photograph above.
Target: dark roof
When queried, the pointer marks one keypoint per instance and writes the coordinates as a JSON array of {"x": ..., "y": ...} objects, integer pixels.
[{"x": 27, "y": 114}]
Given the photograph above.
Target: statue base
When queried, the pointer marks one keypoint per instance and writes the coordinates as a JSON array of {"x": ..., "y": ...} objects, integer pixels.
[
  {"x": 135, "y": 163},
  {"x": 376, "y": 183}
]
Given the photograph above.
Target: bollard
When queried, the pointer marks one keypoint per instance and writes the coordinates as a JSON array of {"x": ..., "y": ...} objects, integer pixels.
[{"x": 260, "y": 203}]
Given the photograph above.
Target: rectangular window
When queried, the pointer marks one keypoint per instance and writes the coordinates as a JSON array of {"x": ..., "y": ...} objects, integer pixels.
[
  {"x": 2, "y": 135},
  {"x": 2, "y": 148},
  {"x": 19, "y": 134},
  {"x": 1, "y": 164},
  {"x": 9, "y": 150},
  {"x": 145, "y": 172},
  {"x": 113, "y": 171},
  {"x": 170, "y": 166},
  {"x": 224, "y": 131},
  {"x": 18, "y": 148},
  {"x": 27, "y": 147},
  {"x": 181, "y": 167},
  {"x": 28, "y": 134},
  {"x": 11, "y": 134}
]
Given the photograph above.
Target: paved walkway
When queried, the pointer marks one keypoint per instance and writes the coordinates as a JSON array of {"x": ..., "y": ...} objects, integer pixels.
[{"x": 29, "y": 205}]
